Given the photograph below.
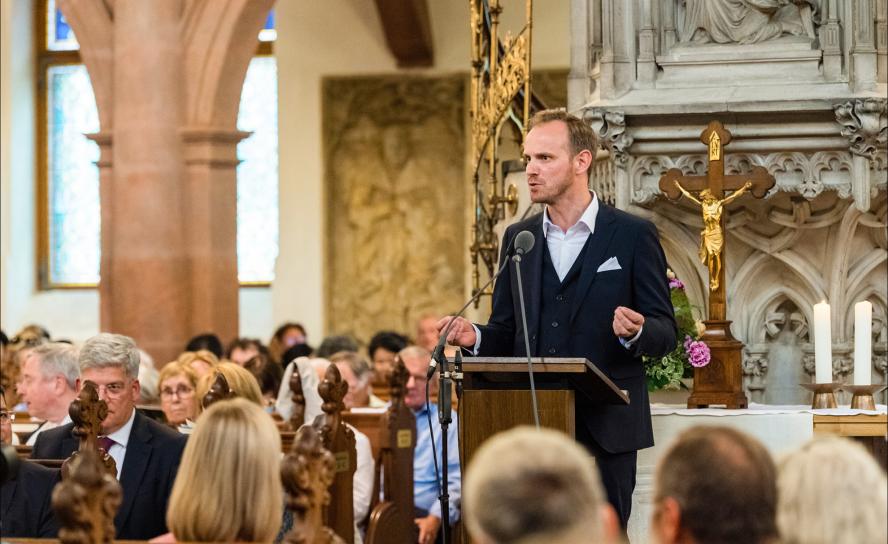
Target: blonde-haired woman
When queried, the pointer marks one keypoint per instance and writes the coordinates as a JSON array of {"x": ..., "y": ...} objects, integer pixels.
[
  {"x": 202, "y": 361},
  {"x": 237, "y": 496},
  {"x": 177, "y": 384},
  {"x": 241, "y": 382}
]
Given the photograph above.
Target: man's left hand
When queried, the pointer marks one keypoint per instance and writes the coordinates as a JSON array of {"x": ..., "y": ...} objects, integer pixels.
[
  {"x": 627, "y": 322},
  {"x": 428, "y": 528}
]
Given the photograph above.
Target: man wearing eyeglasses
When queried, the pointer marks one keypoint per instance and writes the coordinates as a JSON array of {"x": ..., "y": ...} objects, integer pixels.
[{"x": 147, "y": 453}]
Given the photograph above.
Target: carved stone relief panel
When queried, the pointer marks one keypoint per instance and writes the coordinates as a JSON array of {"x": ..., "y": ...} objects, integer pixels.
[
  {"x": 394, "y": 155},
  {"x": 784, "y": 254}
]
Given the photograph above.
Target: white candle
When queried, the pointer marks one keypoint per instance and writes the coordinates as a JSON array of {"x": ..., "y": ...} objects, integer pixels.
[
  {"x": 863, "y": 327},
  {"x": 822, "y": 344}
]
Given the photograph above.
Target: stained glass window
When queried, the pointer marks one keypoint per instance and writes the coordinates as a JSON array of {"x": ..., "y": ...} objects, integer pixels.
[
  {"x": 59, "y": 36},
  {"x": 257, "y": 174},
  {"x": 268, "y": 33},
  {"x": 73, "y": 177}
]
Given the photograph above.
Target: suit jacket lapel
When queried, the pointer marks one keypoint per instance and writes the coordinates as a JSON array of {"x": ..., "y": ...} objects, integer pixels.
[
  {"x": 595, "y": 253},
  {"x": 138, "y": 452},
  {"x": 531, "y": 276}
]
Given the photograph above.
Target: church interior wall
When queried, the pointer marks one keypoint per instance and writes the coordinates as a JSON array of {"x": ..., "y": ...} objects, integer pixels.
[{"x": 315, "y": 40}]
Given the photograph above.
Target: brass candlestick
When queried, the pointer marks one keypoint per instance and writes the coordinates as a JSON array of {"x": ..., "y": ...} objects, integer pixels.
[
  {"x": 862, "y": 395},
  {"x": 824, "y": 394}
]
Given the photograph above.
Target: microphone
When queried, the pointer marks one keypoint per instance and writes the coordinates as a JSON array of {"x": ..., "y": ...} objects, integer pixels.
[
  {"x": 523, "y": 244},
  {"x": 526, "y": 239}
]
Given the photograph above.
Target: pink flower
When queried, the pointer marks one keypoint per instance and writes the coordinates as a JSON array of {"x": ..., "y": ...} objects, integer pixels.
[
  {"x": 698, "y": 352},
  {"x": 675, "y": 283}
]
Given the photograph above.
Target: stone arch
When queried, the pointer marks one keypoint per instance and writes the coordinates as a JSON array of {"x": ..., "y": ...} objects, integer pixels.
[{"x": 220, "y": 39}]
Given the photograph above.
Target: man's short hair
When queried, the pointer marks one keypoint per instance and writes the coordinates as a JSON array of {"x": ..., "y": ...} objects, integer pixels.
[
  {"x": 358, "y": 365},
  {"x": 581, "y": 135},
  {"x": 529, "y": 485},
  {"x": 106, "y": 350},
  {"x": 59, "y": 359},
  {"x": 207, "y": 341},
  {"x": 831, "y": 490},
  {"x": 721, "y": 466},
  {"x": 334, "y": 344},
  {"x": 387, "y": 340}
]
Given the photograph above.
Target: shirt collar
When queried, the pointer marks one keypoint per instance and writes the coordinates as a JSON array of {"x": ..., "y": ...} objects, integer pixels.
[
  {"x": 587, "y": 219},
  {"x": 121, "y": 435}
]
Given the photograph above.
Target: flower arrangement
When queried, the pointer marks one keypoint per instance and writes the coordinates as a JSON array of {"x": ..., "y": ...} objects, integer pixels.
[{"x": 666, "y": 372}]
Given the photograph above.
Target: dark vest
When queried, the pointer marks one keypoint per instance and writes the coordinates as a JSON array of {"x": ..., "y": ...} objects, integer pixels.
[{"x": 555, "y": 304}]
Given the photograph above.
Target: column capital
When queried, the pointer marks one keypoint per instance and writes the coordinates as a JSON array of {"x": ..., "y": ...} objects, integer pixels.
[{"x": 213, "y": 146}]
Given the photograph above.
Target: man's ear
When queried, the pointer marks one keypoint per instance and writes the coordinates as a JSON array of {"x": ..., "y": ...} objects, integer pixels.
[
  {"x": 137, "y": 391},
  {"x": 582, "y": 161},
  {"x": 666, "y": 522}
]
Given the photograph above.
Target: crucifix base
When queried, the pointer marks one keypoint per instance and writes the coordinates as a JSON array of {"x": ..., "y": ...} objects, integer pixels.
[{"x": 721, "y": 381}]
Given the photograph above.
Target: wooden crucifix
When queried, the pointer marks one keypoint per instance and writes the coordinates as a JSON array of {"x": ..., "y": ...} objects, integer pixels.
[{"x": 720, "y": 382}]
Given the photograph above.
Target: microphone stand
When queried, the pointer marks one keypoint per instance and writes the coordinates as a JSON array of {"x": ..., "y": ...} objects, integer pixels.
[
  {"x": 444, "y": 419},
  {"x": 533, "y": 395}
]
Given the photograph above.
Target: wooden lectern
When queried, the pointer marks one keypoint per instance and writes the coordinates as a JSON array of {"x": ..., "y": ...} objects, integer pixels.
[{"x": 496, "y": 396}]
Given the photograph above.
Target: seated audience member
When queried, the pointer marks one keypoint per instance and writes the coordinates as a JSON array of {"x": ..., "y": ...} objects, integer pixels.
[
  {"x": 229, "y": 486},
  {"x": 20, "y": 346},
  {"x": 355, "y": 370},
  {"x": 335, "y": 344},
  {"x": 201, "y": 361},
  {"x": 425, "y": 482},
  {"x": 207, "y": 341},
  {"x": 268, "y": 374},
  {"x": 178, "y": 399},
  {"x": 148, "y": 378},
  {"x": 526, "y": 485},
  {"x": 25, "y": 500},
  {"x": 240, "y": 381},
  {"x": 243, "y": 349},
  {"x": 383, "y": 348},
  {"x": 715, "y": 484},
  {"x": 285, "y": 337},
  {"x": 49, "y": 382},
  {"x": 146, "y": 452},
  {"x": 831, "y": 490}
]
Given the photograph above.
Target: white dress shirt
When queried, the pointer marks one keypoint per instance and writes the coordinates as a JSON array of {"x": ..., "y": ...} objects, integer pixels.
[{"x": 121, "y": 439}]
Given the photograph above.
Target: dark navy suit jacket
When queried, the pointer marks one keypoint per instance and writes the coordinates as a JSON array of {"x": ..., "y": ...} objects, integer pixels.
[
  {"x": 149, "y": 470},
  {"x": 26, "y": 502},
  {"x": 640, "y": 284}
]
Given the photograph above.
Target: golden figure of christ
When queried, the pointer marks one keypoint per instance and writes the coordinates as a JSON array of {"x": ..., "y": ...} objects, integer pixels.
[{"x": 712, "y": 238}]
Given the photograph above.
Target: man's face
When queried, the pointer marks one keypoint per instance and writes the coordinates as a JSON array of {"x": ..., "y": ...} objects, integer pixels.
[
  {"x": 119, "y": 391},
  {"x": 383, "y": 361},
  {"x": 417, "y": 367},
  {"x": 549, "y": 165},
  {"x": 358, "y": 390},
  {"x": 427, "y": 333},
  {"x": 37, "y": 390}
]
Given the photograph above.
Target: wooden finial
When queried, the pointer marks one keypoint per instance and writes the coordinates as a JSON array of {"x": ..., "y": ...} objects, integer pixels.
[
  {"x": 307, "y": 472},
  {"x": 86, "y": 502},
  {"x": 398, "y": 381},
  {"x": 87, "y": 413},
  {"x": 332, "y": 390},
  {"x": 220, "y": 390},
  {"x": 297, "y": 418}
]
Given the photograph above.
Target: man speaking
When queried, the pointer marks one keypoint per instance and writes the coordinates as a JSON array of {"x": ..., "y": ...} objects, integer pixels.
[{"x": 595, "y": 287}]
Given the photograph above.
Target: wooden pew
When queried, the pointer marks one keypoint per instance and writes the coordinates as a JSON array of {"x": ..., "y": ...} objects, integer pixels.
[{"x": 391, "y": 519}]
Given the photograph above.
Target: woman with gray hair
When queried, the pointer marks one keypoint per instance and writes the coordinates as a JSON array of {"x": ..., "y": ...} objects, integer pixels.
[{"x": 831, "y": 491}]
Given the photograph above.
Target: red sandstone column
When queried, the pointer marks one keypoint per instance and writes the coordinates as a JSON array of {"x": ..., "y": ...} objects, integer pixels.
[{"x": 146, "y": 276}]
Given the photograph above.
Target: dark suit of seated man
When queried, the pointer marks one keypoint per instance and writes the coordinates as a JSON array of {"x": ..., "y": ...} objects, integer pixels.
[
  {"x": 147, "y": 453},
  {"x": 25, "y": 500}
]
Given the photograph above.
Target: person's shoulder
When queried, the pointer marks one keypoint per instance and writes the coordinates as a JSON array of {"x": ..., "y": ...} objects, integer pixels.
[
  {"x": 160, "y": 432},
  {"x": 529, "y": 223},
  {"x": 627, "y": 220},
  {"x": 37, "y": 473},
  {"x": 51, "y": 439}
]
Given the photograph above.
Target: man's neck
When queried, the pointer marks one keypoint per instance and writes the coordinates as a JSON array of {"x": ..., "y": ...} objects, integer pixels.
[
  {"x": 61, "y": 412},
  {"x": 106, "y": 432},
  {"x": 569, "y": 208}
]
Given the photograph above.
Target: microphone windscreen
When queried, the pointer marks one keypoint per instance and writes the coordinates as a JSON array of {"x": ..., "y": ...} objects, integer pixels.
[{"x": 524, "y": 242}]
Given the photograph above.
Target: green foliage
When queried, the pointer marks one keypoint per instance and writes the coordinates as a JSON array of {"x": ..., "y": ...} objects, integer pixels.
[{"x": 666, "y": 372}]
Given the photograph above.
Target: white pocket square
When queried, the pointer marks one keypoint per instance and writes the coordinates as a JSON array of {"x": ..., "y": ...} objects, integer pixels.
[{"x": 610, "y": 264}]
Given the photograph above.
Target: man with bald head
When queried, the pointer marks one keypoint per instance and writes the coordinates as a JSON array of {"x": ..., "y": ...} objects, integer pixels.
[{"x": 425, "y": 482}]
